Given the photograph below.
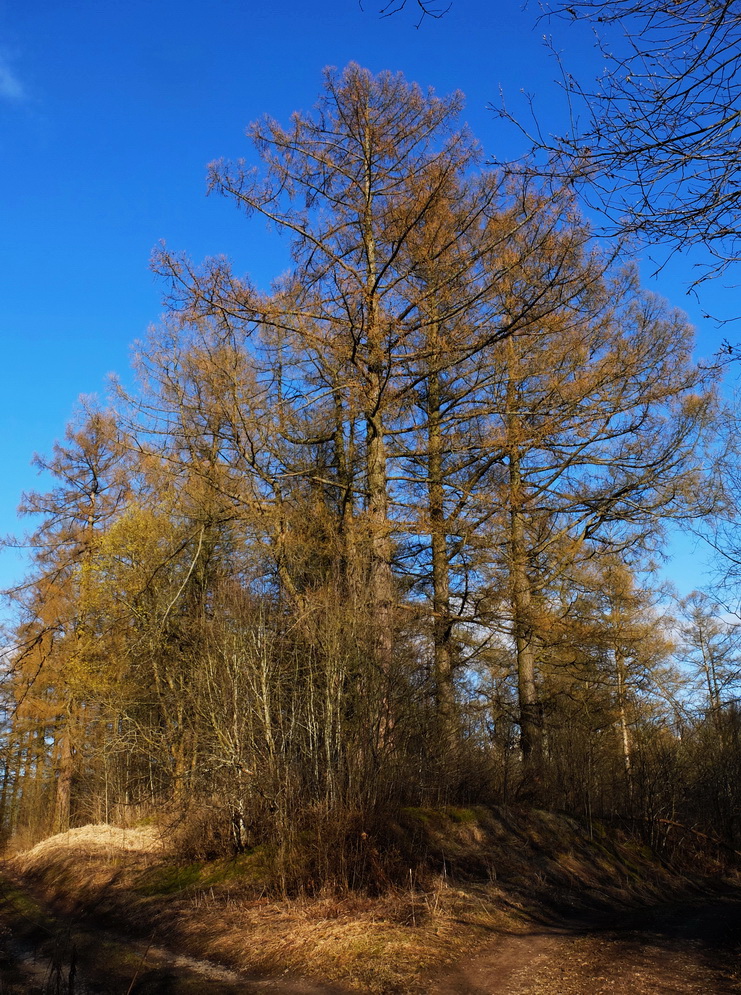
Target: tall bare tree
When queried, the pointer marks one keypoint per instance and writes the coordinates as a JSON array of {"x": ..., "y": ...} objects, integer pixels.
[{"x": 653, "y": 139}]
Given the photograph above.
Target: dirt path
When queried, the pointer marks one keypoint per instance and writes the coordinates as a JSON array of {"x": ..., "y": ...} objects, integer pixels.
[
  {"x": 44, "y": 970},
  {"x": 688, "y": 949},
  {"x": 56, "y": 956}
]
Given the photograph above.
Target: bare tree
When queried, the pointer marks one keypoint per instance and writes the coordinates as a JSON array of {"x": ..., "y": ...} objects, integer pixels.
[
  {"x": 653, "y": 142},
  {"x": 423, "y": 8},
  {"x": 710, "y": 645}
]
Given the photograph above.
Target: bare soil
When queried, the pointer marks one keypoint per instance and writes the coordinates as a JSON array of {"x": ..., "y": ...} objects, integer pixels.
[{"x": 691, "y": 948}]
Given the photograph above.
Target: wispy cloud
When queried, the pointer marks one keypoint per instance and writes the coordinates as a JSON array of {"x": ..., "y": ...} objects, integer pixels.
[{"x": 11, "y": 87}]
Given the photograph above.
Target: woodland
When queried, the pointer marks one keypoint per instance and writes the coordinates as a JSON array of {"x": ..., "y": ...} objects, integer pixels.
[{"x": 382, "y": 536}]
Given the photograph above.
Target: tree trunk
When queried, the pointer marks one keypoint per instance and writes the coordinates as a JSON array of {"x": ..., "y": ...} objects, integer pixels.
[
  {"x": 63, "y": 794},
  {"x": 381, "y": 581},
  {"x": 530, "y": 709},
  {"x": 529, "y": 705},
  {"x": 442, "y": 625},
  {"x": 624, "y": 736}
]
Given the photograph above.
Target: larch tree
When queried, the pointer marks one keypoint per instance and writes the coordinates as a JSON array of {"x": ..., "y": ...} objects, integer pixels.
[
  {"x": 602, "y": 411},
  {"x": 392, "y": 247},
  {"x": 59, "y": 667},
  {"x": 342, "y": 547}
]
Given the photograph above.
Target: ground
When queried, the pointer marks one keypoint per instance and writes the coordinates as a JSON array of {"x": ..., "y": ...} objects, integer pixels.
[
  {"x": 682, "y": 949},
  {"x": 689, "y": 948},
  {"x": 537, "y": 905}
]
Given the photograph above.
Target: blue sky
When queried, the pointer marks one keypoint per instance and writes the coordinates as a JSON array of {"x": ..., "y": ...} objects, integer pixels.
[{"x": 109, "y": 113}]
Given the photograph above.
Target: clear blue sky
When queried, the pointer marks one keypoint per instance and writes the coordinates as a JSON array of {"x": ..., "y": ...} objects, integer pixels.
[{"x": 109, "y": 114}]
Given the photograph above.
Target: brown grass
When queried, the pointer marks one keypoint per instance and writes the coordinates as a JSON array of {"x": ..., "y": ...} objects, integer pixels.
[
  {"x": 100, "y": 838},
  {"x": 471, "y": 875}
]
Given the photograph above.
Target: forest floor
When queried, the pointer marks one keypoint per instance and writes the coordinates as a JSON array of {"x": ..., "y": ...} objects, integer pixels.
[
  {"x": 563, "y": 915},
  {"x": 686, "y": 948}
]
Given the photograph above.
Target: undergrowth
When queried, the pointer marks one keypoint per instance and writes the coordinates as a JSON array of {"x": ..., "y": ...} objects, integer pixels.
[{"x": 374, "y": 905}]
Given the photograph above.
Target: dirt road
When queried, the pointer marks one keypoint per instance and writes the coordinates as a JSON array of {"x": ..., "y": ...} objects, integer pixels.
[
  {"x": 692, "y": 948},
  {"x": 688, "y": 948}
]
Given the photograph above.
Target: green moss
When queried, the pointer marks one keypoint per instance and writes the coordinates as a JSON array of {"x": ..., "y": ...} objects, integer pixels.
[
  {"x": 168, "y": 879},
  {"x": 20, "y": 902},
  {"x": 422, "y": 815},
  {"x": 254, "y": 864},
  {"x": 439, "y": 818},
  {"x": 462, "y": 816}
]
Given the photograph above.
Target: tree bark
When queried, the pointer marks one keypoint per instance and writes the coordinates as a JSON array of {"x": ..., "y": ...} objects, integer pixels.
[
  {"x": 529, "y": 704},
  {"x": 442, "y": 626}
]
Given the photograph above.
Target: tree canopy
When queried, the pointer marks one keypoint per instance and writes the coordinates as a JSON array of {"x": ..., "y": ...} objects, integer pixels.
[
  {"x": 653, "y": 140},
  {"x": 371, "y": 538}
]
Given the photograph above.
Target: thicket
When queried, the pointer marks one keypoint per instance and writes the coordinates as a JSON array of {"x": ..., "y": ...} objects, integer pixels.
[{"x": 371, "y": 539}]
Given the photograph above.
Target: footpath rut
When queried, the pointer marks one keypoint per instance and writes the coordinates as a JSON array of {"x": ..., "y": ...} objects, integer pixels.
[
  {"x": 683, "y": 949},
  {"x": 688, "y": 948}
]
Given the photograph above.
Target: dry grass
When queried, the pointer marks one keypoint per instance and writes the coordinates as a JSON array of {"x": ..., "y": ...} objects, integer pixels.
[
  {"x": 376, "y": 945},
  {"x": 92, "y": 839},
  {"x": 473, "y": 874}
]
